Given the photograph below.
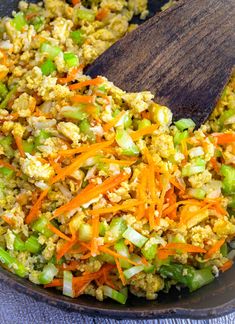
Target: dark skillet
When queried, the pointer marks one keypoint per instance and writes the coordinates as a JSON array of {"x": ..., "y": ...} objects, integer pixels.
[{"x": 214, "y": 300}]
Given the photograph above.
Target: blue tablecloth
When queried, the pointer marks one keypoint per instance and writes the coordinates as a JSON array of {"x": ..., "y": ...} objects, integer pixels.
[{"x": 17, "y": 308}]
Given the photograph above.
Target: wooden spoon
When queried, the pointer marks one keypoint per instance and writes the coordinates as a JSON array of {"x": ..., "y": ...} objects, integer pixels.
[{"x": 184, "y": 56}]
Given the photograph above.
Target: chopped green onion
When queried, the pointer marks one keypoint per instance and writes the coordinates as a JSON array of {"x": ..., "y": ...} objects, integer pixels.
[
  {"x": 32, "y": 245},
  {"x": 228, "y": 183},
  {"x": 185, "y": 123},
  {"x": 133, "y": 271},
  {"x": 74, "y": 112},
  {"x": 134, "y": 237},
  {"x": 68, "y": 284},
  {"x": 86, "y": 14},
  {"x": 42, "y": 136},
  {"x": 116, "y": 229},
  {"x": 180, "y": 136},
  {"x": 196, "y": 166},
  {"x": 18, "y": 244},
  {"x": 197, "y": 193},
  {"x": 78, "y": 36},
  {"x": 85, "y": 232},
  {"x": 125, "y": 141},
  {"x": 8, "y": 98},
  {"x": 3, "y": 91},
  {"x": 115, "y": 295},
  {"x": 122, "y": 249},
  {"x": 40, "y": 226},
  {"x": 28, "y": 147},
  {"x": 12, "y": 263},
  {"x": 48, "y": 273},
  {"x": 71, "y": 60},
  {"x": 19, "y": 21},
  {"x": 48, "y": 67},
  {"x": 8, "y": 173},
  {"x": 50, "y": 50}
]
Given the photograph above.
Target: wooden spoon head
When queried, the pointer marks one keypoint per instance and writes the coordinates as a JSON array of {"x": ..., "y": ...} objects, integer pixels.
[{"x": 184, "y": 56}]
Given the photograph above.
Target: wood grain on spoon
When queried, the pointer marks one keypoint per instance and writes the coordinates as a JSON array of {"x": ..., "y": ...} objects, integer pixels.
[{"x": 184, "y": 56}]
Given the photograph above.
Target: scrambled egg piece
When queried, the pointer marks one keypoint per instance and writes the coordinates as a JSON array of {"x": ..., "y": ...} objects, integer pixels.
[
  {"x": 35, "y": 169},
  {"x": 24, "y": 105}
]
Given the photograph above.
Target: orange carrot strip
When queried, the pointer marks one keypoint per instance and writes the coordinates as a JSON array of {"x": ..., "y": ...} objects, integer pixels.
[
  {"x": 71, "y": 76},
  {"x": 58, "y": 232},
  {"x": 85, "y": 148},
  {"x": 214, "y": 249},
  {"x": 86, "y": 256},
  {"x": 125, "y": 206},
  {"x": 95, "y": 82},
  {"x": 55, "y": 283},
  {"x": 81, "y": 199},
  {"x": 169, "y": 209},
  {"x": 83, "y": 99},
  {"x": 8, "y": 220},
  {"x": 7, "y": 165},
  {"x": 65, "y": 248},
  {"x": 141, "y": 194},
  {"x": 227, "y": 265},
  {"x": 119, "y": 268},
  {"x": 144, "y": 131},
  {"x": 164, "y": 254},
  {"x": 19, "y": 144},
  {"x": 183, "y": 247},
  {"x": 215, "y": 164},
  {"x": 171, "y": 199},
  {"x": 177, "y": 184},
  {"x": 224, "y": 138},
  {"x": 102, "y": 14},
  {"x": 33, "y": 214},
  {"x": 114, "y": 121},
  {"x": 116, "y": 255},
  {"x": 75, "y": 2},
  {"x": 120, "y": 162}
]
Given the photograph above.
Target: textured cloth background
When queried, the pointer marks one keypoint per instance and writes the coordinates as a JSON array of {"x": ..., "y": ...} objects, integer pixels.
[{"x": 17, "y": 308}]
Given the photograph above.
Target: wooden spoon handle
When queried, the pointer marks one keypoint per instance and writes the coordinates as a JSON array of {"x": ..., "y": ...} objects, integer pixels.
[{"x": 183, "y": 55}]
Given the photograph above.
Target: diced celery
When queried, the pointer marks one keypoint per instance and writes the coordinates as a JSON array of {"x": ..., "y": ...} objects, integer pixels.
[
  {"x": 224, "y": 250},
  {"x": 134, "y": 237},
  {"x": 144, "y": 123},
  {"x": 32, "y": 245},
  {"x": 42, "y": 136},
  {"x": 37, "y": 22},
  {"x": 86, "y": 14},
  {"x": 48, "y": 273},
  {"x": 6, "y": 143},
  {"x": 18, "y": 244},
  {"x": 85, "y": 128},
  {"x": 114, "y": 294},
  {"x": 51, "y": 50},
  {"x": 48, "y": 67},
  {"x": 68, "y": 284},
  {"x": 226, "y": 115},
  {"x": 78, "y": 36},
  {"x": 125, "y": 121},
  {"x": 28, "y": 146},
  {"x": 19, "y": 21},
  {"x": 103, "y": 228},
  {"x": 228, "y": 183},
  {"x": 122, "y": 249},
  {"x": 185, "y": 123},
  {"x": 196, "y": 166},
  {"x": 117, "y": 227},
  {"x": 6, "y": 172},
  {"x": 71, "y": 60},
  {"x": 125, "y": 141},
  {"x": 3, "y": 91},
  {"x": 12, "y": 263},
  {"x": 107, "y": 258},
  {"x": 85, "y": 232},
  {"x": 133, "y": 271},
  {"x": 40, "y": 226},
  {"x": 74, "y": 112},
  {"x": 149, "y": 252},
  {"x": 8, "y": 97},
  {"x": 180, "y": 136},
  {"x": 197, "y": 193}
]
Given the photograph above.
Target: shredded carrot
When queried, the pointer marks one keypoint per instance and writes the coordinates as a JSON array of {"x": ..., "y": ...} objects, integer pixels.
[
  {"x": 144, "y": 131},
  {"x": 8, "y": 220},
  {"x": 86, "y": 256},
  {"x": 224, "y": 138},
  {"x": 83, "y": 99},
  {"x": 3, "y": 60},
  {"x": 119, "y": 268},
  {"x": 54, "y": 283},
  {"x": 144, "y": 261},
  {"x": 75, "y": 2},
  {"x": 58, "y": 232},
  {"x": 116, "y": 255},
  {"x": 102, "y": 14},
  {"x": 125, "y": 206},
  {"x": 176, "y": 184},
  {"x": 7, "y": 165},
  {"x": 131, "y": 246},
  {"x": 215, "y": 164},
  {"x": 141, "y": 194},
  {"x": 183, "y": 247},
  {"x": 19, "y": 144},
  {"x": 165, "y": 182},
  {"x": 77, "y": 163},
  {"x": 171, "y": 199},
  {"x": 214, "y": 249},
  {"x": 164, "y": 254},
  {"x": 33, "y": 214},
  {"x": 120, "y": 162},
  {"x": 82, "y": 198},
  {"x": 85, "y": 148},
  {"x": 114, "y": 121},
  {"x": 169, "y": 209},
  {"x": 187, "y": 215},
  {"x": 72, "y": 266},
  {"x": 65, "y": 248},
  {"x": 227, "y": 265},
  {"x": 95, "y": 82},
  {"x": 71, "y": 76}
]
